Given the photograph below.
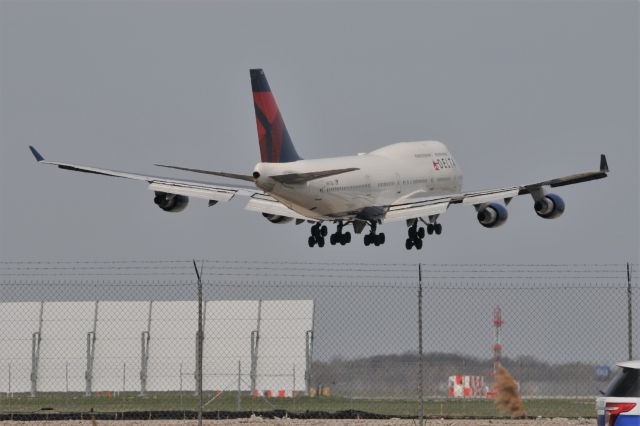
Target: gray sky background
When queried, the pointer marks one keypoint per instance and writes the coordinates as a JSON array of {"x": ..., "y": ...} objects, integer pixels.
[{"x": 519, "y": 91}]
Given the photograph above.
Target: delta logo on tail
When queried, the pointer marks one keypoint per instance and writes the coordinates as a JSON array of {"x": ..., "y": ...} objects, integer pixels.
[{"x": 275, "y": 143}]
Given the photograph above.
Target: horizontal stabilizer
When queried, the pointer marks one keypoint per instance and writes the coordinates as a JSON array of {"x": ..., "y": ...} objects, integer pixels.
[
  {"x": 297, "y": 178},
  {"x": 209, "y": 172}
]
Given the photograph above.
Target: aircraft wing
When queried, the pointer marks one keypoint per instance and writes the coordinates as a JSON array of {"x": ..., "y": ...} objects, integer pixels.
[
  {"x": 265, "y": 204},
  {"x": 213, "y": 192},
  {"x": 414, "y": 206},
  {"x": 206, "y": 190}
]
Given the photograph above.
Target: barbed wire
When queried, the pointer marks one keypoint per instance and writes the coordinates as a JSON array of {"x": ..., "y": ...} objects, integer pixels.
[
  {"x": 188, "y": 263},
  {"x": 462, "y": 285},
  {"x": 278, "y": 271},
  {"x": 127, "y": 273}
]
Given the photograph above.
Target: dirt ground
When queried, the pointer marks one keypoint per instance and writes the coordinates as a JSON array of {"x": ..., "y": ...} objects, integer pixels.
[{"x": 258, "y": 421}]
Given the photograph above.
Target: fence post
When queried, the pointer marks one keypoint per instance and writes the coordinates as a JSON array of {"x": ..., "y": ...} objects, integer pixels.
[
  {"x": 629, "y": 313},
  {"x": 309, "y": 351},
  {"x": 124, "y": 377},
  {"x": 239, "y": 384},
  {"x": 255, "y": 343},
  {"x": 91, "y": 351},
  {"x": 144, "y": 353},
  {"x": 36, "y": 339},
  {"x": 181, "y": 406},
  {"x": 420, "y": 350},
  {"x": 199, "y": 346},
  {"x": 10, "y": 396},
  {"x": 308, "y": 354}
]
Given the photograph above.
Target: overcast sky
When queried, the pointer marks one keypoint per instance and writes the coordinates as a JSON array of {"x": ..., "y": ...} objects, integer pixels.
[{"x": 519, "y": 91}]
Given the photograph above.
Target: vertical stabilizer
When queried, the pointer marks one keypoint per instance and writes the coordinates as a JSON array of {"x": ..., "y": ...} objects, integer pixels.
[{"x": 275, "y": 143}]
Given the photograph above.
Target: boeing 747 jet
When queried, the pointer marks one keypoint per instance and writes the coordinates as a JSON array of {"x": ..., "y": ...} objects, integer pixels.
[{"x": 414, "y": 182}]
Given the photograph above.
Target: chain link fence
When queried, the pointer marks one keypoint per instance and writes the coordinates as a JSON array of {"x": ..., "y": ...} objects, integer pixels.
[{"x": 117, "y": 339}]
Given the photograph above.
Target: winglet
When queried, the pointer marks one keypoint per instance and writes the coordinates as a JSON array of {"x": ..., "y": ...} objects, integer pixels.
[
  {"x": 36, "y": 154},
  {"x": 604, "y": 167}
]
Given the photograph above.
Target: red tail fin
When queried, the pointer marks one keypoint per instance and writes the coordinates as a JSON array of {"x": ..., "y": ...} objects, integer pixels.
[{"x": 275, "y": 143}]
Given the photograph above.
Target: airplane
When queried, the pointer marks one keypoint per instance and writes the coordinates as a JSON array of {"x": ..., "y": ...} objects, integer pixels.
[{"x": 414, "y": 182}]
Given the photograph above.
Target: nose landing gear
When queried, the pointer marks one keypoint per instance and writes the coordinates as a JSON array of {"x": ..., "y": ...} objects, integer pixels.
[{"x": 318, "y": 232}]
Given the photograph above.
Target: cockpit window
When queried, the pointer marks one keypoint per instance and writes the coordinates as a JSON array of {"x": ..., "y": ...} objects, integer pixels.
[{"x": 625, "y": 383}]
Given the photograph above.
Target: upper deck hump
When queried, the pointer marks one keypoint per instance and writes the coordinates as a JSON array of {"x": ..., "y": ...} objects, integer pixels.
[{"x": 408, "y": 148}]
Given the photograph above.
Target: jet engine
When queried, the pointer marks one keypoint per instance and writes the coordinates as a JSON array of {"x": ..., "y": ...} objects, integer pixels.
[
  {"x": 492, "y": 215},
  {"x": 170, "y": 202},
  {"x": 549, "y": 207},
  {"x": 274, "y": 218}
]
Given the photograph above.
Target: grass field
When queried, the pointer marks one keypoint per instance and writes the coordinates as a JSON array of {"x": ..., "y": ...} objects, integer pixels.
[{"x": 177, "y": 403}]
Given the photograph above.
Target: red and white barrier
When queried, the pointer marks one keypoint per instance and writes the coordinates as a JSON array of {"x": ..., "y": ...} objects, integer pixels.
[
  {"x": 466, "y": 386},
  {"x": 270, "y": 393}
]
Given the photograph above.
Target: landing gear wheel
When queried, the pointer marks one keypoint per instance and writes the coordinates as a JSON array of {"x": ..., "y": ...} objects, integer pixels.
[
  {"x": 412, "y": 233},
  {"x": 430, "y": 229},
  {"x": 318, "y": 232},
  {"x": 347, "y": 237},
  {"x": 408, "y": 244},
  {"x": 418, "y": 244},
  {"x": 421, "y": 232},
  {"x": 372, "y": 237},
  {"x": 438, "y": 228}
]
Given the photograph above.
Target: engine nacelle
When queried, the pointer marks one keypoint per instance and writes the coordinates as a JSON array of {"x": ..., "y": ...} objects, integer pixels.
[
  {"x": 549, "y": 207},
  {"x": 493, "y": 215},
  {"x": 274, "y": 218},
  {"x": 171, "y": 202}
]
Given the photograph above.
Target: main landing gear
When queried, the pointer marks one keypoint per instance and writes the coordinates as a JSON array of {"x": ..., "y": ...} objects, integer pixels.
[
  {"x": 434, "y": 227},
  {"x": 373, "y": 238},
  {"x": 416, "y": 234},
  {"x": 318, "y": 232},
  {"x": 340, "y": 237}
]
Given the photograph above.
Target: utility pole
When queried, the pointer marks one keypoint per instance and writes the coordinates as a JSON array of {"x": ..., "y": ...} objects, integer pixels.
[
  {"x": 199, "y": 342},
  {"x": 420, "y": 366}
]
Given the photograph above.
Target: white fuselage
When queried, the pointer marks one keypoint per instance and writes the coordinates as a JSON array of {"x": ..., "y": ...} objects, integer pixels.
[{"x": 384, "y": 176}]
